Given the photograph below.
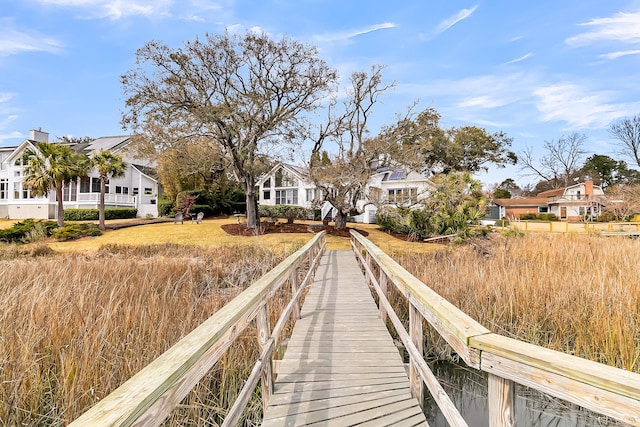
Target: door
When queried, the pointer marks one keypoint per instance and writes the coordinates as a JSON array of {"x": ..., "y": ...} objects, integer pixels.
[{"x": 563, "y": 212}]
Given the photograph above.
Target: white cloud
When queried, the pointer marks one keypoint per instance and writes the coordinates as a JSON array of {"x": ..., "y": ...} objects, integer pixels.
[
  {"x": 13, "y": 41},
  {"x": 620, "y": 54},
  {"x": 345, "y": 35},
  {"x": 483, "y": 102},
  {"x": 116, "y": 9},
  {"x": 577, "y": 106},
  {"x": 622, "y": 27},
  {"x": 453, "y": 20},
  {"x": 522, "y": 58}
]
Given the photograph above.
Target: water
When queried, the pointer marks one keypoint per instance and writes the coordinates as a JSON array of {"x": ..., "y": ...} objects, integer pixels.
[{"x": 467, "y": 388}]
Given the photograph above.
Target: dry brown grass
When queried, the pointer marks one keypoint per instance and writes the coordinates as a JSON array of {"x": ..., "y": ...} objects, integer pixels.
[
  {"x": 574, "y": 293},
  {"x": 74, "y": 327}
]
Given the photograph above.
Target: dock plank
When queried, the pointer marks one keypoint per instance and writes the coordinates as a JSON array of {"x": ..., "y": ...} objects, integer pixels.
[{"x": 341, "y": 366}]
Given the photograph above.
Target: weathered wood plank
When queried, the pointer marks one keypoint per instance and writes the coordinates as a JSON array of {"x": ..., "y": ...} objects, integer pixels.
[
  {"x": 596, "y": 374},
  {"x": 341, "y": 364},
  {"x": 596, "y": 399},
  {"x": 451, "y": 322}
]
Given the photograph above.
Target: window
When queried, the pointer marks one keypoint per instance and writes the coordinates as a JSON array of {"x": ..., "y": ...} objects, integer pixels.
[
  {"x": 283, "y": 179},
  {"x": 17, "y": 189},
  {"x": 125, "y": 190},
  {"x": 403, "y": 195},
  {"x": 85, "y": 185},
  {"x": 266, "y": 195},
  {"x": 310, "y": 194},
  {"x": 135, "y": 191},
  {"x": 118, "y": 189},
  {"x": 4, "y": 188},
  {"x": 16, "y": 173},
  {"x": 267, "y": 183},
  {"x": 147, "y": 191},
  {"x": 69, "y": 192},
  {"x": 543, "y": 209},
  {"x": 287, "y": 197}
]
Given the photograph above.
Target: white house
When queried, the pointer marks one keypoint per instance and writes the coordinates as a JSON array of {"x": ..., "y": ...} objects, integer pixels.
[
  {"x": 290, "y": 185},
  {"x": 138, "y": 188}
]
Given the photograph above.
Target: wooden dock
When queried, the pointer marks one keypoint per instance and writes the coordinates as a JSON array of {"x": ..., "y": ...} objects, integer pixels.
[{"x": 341, "y": 366}]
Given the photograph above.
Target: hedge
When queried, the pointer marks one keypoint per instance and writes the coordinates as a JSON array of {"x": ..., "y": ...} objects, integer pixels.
[
  {"x": 92, "y": 214},
  {"x": 288, "y": 212}
]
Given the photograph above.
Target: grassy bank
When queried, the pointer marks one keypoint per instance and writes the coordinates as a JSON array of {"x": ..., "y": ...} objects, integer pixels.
[{"x": 578, "y": 294}]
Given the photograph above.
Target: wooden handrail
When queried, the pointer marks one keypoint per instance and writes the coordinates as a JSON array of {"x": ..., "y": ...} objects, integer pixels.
[
  {"x": 600, "y": 388},
  {"x": 148, "y": 397}
]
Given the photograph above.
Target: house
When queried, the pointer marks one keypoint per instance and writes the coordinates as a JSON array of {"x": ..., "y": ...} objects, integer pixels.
[
  {"x": 572, "y": 203},
  {"x": 291, "y": 185},
  {"x": 138, "y": 188}
]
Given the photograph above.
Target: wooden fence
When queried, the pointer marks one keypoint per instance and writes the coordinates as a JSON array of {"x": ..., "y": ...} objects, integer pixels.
[
  {"x": 600, "y": 388},
  {"x": 150, "y": 395}
]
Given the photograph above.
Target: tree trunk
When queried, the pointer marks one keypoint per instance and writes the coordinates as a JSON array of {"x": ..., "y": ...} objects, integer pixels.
[
  {"x": 103, "y": 189},
  {"x": 252, "y": 203},
  {"x": 340, "y": 221},
  {"x": 60, "y": 206}
]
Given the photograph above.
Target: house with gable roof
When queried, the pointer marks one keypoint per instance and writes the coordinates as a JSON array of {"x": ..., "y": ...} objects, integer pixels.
[
  {"x": 291, "y": 185},
  {"x": 138, "y": 188},
  {"x": 571, "y": 203}
]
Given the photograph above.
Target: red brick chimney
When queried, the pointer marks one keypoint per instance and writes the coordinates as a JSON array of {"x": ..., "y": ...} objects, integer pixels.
[{"x": 588, "y": 188}]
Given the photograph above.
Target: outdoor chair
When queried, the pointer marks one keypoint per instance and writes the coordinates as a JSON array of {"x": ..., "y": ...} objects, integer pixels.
[
  {"x": 198, "y": 218},
  {"x": 179, "y": 218}
]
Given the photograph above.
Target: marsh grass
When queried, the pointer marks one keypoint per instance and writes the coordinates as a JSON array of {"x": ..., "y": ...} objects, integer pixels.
[
  {"x": 75, "y": 326},
  {"x": 579, "y": 294}
]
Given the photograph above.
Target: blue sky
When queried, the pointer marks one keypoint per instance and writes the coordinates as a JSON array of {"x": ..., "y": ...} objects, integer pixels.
[{"x": 535, "y": 70}]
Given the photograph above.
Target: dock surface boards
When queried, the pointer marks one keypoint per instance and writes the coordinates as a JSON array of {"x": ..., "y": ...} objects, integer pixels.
[{"x": 341, "y": 366}]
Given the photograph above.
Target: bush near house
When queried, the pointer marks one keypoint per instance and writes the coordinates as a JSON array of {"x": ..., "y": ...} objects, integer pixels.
[
  {"x": 26, "y": 231},
  {"x": 289, "y": 212},
  {"x": 75, "y": 231},
  {"x": 92, "y": 214},
  {"x": 539, "y": 217}
]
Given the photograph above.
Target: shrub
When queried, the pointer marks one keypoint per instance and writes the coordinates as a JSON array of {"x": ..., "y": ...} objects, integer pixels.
[
  {"x": 547, "y": 217},
  {"x": 164, "y": 205},
  {"x": 92, "y": 214},
  {"x": 75, "y": 231},
  {"x": 288, "y": 212},
  {"x": 24, "y": 230},
  {"x": 528, "y": 216},
  {"x": 120, "y": 213},
  {"x": 81, "y": 214}
]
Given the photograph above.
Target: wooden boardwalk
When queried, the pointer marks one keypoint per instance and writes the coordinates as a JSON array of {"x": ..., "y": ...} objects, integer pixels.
[{"x": 341, "y": 366}]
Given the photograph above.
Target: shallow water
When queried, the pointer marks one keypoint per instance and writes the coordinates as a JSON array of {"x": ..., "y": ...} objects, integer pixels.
[{"x": 467, "y": 388}]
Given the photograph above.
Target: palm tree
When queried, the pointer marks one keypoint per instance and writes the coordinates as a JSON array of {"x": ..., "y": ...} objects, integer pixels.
[
  {"x": 109, "y": 165},
  {"x": 49, "y": 166}
]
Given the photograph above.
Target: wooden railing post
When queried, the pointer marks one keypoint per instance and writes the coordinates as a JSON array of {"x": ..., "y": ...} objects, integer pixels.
[
  {"x": 293, "y": 279},
  {"x": 415, "y": 331},
  {"x": 502, "y": 402},
  {"x": 262, "y": 322},
  {"x": 383, "y": 286},
  {"x": 368, "y": 261}
]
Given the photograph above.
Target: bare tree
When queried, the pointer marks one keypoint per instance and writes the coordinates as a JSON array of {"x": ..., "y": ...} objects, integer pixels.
[
  {"x": 623, "y": 200},
  {"x": 561, "y": 160},
  {"x": 627, "y": 132},
  {"x": 246, "y": 93},
  {"x": 343, "y": 178}
]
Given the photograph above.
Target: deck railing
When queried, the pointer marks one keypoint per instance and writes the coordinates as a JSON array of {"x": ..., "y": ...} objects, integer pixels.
[
  {"x": 150, "y": 395},
  {"x": 600, "y": 388}
]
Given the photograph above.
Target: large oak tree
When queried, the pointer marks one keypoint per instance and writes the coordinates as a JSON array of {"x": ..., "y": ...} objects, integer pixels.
[{"x": 245, "y": 93}]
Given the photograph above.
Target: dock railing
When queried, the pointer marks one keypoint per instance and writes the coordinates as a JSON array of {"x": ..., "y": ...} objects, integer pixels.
[
  {"x": 148, "y": 397},
  {"x": 600, "y": 388}
]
